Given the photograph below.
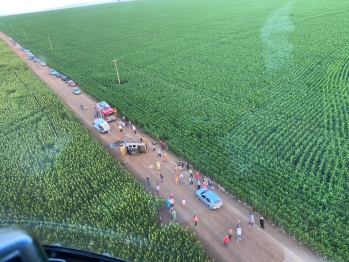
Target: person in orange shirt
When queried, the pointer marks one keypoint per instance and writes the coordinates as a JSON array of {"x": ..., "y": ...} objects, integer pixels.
[
  {"x": 197, "y": 175},
  {"x": 195, "y": 220},
  {"x": 204, "y": 185},
  {"x": 176, "y": 178}
]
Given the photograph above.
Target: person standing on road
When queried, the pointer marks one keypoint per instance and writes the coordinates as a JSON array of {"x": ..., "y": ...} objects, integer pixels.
[
  {"x": 204, "y": 184},
  {"x": 183, "y": 203},
  {"x": 199, "y": 184},
  {"x": 195, "y": 220},
  {"x": 120, "y": 128},
  {"x": 123, "y": 125},
  {"x": 157, "y": 187},
  {"x": 161, "y": 178},
  {"x": 81, "y": 107},
  {"x": 174, "y": 214},
  {"x": 190, "y": 173},
  {"x": 251, "y": 219},
  {"x": 134, "y": 129},
  {"x": 181, "y": 177},
  {"x": 238, "y": 234},
  {"x": 176, "y": 169},
  {"x": 168, "y": 203},
  {"x": 159, "y": 152},
  {"x": 162, "y": 145},
  {"x": 230, "y": 231},
  {"x": 165, "y": 157},
  {"x": 172, "y": 202},
  {"x": 85, "y": 108},
  {"x": 148, "y": 179},
  {"x": 226, "y": 240},
  {"x": 187, "y": 164},
  {"x": 158, "y": 165},
  {"x": 176, "y": 178},
  {"x": 261, "y": 221},
  {"x": 171, "y": 195},
  {"x": 197, "y": 176},
  {"x": 238, "y": 224},
  {"x": 190, "y": 181}
]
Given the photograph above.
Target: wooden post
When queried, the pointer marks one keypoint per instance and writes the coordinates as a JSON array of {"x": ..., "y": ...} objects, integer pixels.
[
  {"x": 117, "y": 72},
  {"x": 24, "y": 34},
  {"x": 50, "y": 43}
]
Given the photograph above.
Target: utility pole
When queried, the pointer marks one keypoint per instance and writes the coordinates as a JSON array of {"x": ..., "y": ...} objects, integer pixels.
[
  {"x": 50, "y": 43},
  {"x": 12, "y": 28},
  {"x": 116, "y": 68},
  {"x": 24, "y": 34}
]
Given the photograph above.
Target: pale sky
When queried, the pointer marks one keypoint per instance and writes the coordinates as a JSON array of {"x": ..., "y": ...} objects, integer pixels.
[{"x": 9, "y": 7}]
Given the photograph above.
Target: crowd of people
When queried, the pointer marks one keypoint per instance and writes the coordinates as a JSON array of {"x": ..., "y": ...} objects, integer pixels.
[
  {"x": 181, "y": 167},
  {"x": 123, "y": 124}
]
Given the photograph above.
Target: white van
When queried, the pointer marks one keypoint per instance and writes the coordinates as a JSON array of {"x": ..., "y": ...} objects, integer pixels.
[{"x": 101, "y": 125}]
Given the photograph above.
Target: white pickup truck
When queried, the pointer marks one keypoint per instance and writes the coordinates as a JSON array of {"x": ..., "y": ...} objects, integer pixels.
[{"x": 101, "y": 125}]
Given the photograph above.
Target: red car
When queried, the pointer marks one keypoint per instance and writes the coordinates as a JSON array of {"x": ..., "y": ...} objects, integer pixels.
[{"x": 72, "y": 83}]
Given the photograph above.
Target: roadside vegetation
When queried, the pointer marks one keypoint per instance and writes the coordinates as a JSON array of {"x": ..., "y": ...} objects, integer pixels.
[
  {"x": 252, "y": 93},
  {"x": 57, "y": 179}
]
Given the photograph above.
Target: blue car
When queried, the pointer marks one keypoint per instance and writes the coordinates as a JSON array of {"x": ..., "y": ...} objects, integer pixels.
[
  {"x": 209, "y": 198},
  {"x": 58, "y": 74},
  {"x": 76, "y": 91}
]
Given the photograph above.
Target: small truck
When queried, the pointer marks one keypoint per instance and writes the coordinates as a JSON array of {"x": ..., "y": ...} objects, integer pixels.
[{"x": 101, "y": 125}]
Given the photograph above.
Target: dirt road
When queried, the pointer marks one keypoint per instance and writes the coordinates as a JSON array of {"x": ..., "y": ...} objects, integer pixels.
[{"x": 256, "y": 244}]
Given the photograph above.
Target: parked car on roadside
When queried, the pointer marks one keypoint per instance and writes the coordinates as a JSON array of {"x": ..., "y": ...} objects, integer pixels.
[
  {"x": 64, "y": 78},
  {"x": 209, "y": 198},
  {"x": 42, "y": 63},
  {"x": 53, "y": 72},
  {"x": 76, "y": 91},
  {"x": 58, "y": 74},
  {"x": 71, "y": 83}
]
